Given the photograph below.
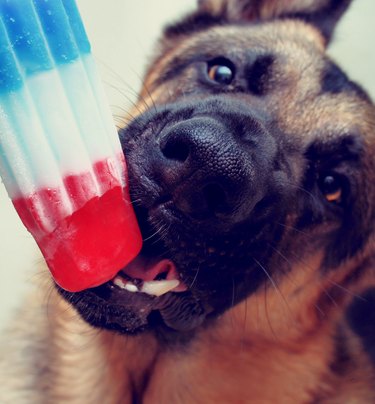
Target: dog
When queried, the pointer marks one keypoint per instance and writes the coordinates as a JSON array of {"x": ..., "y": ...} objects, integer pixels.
[{"x": 252, "y": 172}]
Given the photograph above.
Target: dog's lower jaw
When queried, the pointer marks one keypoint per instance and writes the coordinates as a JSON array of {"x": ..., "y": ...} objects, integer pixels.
[{"x": 257, "y": 344}]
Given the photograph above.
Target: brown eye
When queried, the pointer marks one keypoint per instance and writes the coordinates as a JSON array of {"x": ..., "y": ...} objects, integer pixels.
[
  {"x": 222, "y": 74},
  {"x": 331, "y": 188}
]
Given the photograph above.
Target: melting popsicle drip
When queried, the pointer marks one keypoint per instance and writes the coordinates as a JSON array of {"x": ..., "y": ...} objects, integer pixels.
[{"x": 60, "y": 157}]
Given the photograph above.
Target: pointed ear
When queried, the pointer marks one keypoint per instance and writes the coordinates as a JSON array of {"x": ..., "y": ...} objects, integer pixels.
[{"x": 323, "y": 14}]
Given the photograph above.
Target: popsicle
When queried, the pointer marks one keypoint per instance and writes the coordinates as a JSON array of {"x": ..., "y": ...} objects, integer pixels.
[{"x": 60, "y": 157}]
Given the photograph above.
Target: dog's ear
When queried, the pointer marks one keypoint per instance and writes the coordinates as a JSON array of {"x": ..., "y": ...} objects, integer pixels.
[{"x": 323, "y": 14}]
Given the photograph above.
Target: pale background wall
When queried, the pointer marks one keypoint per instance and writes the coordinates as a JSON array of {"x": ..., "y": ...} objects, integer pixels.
[{"x": 122, "y": 33}]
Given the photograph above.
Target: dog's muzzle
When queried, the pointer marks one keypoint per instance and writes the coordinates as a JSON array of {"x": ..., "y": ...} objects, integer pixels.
[{"x": 213, "y": 168}]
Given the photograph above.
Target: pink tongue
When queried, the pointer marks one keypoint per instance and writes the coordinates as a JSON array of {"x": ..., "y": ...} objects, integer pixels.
[{"x": 148, "y": 269}]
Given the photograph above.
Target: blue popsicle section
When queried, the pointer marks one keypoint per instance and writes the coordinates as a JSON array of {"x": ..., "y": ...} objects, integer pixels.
[
  {"x": 54, "y": 120},
  {"x": 10, "y": 77},
  {"x": 57, "y": 31},
  {"x": 38, "y": 35},
  {"x": 25, "y": 35},
  {"x": 77, "y": 27}
]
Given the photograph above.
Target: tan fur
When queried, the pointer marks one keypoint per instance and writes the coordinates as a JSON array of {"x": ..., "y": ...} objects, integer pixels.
[
  {"x": 278, "y": 346},
  {"x": 268, "y": 10}
]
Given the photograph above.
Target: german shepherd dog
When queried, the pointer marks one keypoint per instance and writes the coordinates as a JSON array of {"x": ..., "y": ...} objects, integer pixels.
[{"x": 252, "y": 171}]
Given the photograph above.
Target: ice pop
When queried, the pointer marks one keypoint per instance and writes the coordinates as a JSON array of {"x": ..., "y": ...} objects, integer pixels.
[{"x": 60, "y": 157}]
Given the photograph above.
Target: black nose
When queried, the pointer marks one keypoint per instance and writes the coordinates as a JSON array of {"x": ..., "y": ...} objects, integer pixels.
[{"x": 207, "y": 170}]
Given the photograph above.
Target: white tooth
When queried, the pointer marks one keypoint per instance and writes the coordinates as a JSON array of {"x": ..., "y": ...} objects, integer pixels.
[
  {"x": 130, "y": 287},
  {"x": 159, "y": 288},
  {"x": 118, "y": 281},
  {"x": 124, "y": 284}
]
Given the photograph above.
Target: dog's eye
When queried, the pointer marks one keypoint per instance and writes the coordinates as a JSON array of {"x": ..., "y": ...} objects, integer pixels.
[
  {"x": 221, "y": 70},
  {"x": 332, "y": 188}
]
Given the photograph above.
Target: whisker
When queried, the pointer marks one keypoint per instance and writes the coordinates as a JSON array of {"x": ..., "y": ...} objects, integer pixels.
[
  {"x": 119, "y": 78},
  {"x": 233, "y": 292},
  {"x": 346, "y": 290},
  {"x": 268, "y": 275},
  {"x": 267, "y": 315},
  {"x": 293, "y": 228},
  {"x": 160, "y": 229},
  {"x": 136, "y": 97},
  {"x": 122, "y": 118},
  {"x": 274, "y": 285},
  {"x": 146, "y": 88},
  {"x": 300, "y": 188},
  {"x": 289, "y": 262},
  {"x": 163, "y": 233},
  {"x": 242, "y": 343},
  {"x": 125, "y": 111},
  {"x": 135, "y": 202},
  {"x": 325, "y": 291},
  {"x": 195, "y": 278},
  {"x": 122, "y": 92},
  {"x": 135, "y": 93},
  {"x": 232, "y": 304}
]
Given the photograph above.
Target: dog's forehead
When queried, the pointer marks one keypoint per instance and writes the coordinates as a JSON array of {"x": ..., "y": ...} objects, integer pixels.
[
  {"x": 268, "y": 35},
  {"x": 290, "y": 38},
  {"x": 309, "y": 98}
]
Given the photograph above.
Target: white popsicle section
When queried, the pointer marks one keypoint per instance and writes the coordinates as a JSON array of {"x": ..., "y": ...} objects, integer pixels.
[
  {"x": 29, "y": 160},
  {"x": 59, "y": 126},
  {"x": 65, "y": 122},
  {"x": 9, "y": 147},
  {"x": 83, "y": 104},
  {"x": 105, "y": 112}
]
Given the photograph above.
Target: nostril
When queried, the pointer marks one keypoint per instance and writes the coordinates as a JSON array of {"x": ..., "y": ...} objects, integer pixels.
[
  {"x": 176, "y": 149},
  {"x": 215, "y": 197}
]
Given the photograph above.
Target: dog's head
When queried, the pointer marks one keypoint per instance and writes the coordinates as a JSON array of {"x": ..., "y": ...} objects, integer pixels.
[{"x": 251, "y": 168}]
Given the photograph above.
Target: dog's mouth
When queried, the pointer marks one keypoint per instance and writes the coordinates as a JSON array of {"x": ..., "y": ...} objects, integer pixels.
[
  {"x": 148, "y": 293},
  {"x": 154, "y": 292},
  {"x": 155, "y": 277}
]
